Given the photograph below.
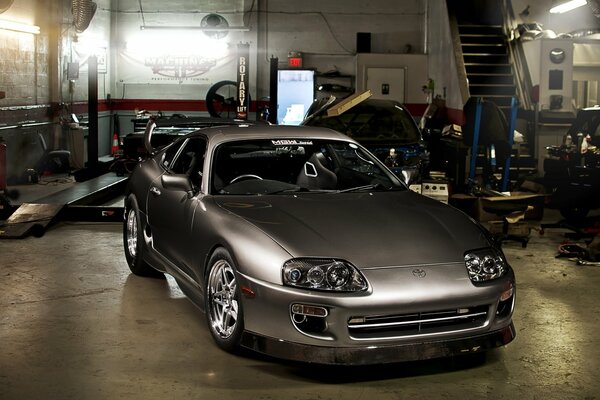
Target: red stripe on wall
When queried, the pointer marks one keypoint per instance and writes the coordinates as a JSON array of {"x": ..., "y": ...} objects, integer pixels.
[
  {"x": 158, "y": 105},
  {"x": 167, "y": 105},
  {"x": 455, "y": 116},
  {"x": 416, "y": 109}
]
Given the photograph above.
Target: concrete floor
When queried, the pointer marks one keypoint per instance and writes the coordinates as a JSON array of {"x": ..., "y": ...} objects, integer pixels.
[{"x": 74, "y": 324}]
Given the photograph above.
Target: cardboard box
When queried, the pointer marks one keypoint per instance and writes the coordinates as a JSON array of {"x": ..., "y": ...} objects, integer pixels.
[
  {"x": 516, "y": 229},
  {"x": 452, "y": 130}
]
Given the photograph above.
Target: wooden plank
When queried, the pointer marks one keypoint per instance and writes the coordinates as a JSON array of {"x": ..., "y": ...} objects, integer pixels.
[{"x": 348, "y": 103}]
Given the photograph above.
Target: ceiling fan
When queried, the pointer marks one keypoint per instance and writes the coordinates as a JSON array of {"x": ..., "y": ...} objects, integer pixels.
[
  {"x": 211, "y": 25},
  {"x": 83, "y": 12}
]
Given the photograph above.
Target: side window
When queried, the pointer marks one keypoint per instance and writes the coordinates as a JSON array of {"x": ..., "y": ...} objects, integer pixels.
[
  {"x": 190, "y": 160},
  {"x": 595, "y": 128},
  {"x": 169, "y": 155}
]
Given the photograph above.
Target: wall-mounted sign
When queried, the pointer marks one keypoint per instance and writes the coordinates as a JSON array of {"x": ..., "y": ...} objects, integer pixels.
[
  {"x": 294, "y": 59},
  {"x": 179, "y": 68},
  {"x": 243, "y": 100}
]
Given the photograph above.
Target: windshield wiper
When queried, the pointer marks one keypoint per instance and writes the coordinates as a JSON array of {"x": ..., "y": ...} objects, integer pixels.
[
  {"x": 376, "y": 186},
  {"x": 290, "y": 190},
  {"x": 301, "y": 189}
]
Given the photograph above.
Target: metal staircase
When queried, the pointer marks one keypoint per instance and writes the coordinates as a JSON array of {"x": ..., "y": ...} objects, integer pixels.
[{"x": 487, "y": 64}]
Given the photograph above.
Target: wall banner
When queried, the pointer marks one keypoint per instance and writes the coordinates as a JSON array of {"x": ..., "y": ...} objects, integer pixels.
[{"x": 171, "y": 69}]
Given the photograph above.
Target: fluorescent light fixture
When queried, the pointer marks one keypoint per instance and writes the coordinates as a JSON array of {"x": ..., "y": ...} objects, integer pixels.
[
  {"x": 568, "y": 6},
  {"x": 19, "y": 27},
  {"x": 192, "y": 27}
]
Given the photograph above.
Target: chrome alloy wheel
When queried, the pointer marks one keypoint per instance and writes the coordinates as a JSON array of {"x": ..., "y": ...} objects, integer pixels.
[
  {"x": 223, "y": 301},
  {"x": 132, "y": 233}
]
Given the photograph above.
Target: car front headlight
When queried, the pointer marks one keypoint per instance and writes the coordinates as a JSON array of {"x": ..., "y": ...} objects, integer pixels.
[
  {"x": 485, "y": 265},
  {"x": 323, "y": 274}
]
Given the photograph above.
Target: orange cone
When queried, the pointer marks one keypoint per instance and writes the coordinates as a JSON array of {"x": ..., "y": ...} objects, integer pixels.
[{"x": 115, "y": 144}]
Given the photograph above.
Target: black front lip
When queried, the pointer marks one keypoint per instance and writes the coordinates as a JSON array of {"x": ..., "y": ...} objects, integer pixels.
[{"x": 377, "y": 354}]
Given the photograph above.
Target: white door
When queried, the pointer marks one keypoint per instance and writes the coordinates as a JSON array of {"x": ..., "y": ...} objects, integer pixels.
[{"x": 386, "y": 83}]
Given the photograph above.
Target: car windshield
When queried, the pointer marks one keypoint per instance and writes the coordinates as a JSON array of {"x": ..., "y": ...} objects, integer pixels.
[
  {"x": 372, "y": 121},
  {"x": 281, "y": 166}
]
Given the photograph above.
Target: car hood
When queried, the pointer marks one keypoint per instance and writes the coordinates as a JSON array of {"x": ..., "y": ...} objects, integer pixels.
[{"x": 376, "y": 229}]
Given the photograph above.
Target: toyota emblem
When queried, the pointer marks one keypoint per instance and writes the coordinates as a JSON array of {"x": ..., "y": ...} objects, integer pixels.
[{"x": 419, "y": 273}]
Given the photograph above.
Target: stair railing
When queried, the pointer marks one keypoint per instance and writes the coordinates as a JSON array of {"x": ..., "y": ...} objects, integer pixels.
[
  {"x": 463, "y": 82},
  {"x": 517, "y": 56}
]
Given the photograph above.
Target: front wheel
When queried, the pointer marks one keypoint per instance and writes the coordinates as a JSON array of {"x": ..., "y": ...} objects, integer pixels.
[
  {"x": 133, "y": 239},
  {"x": 223, "y": 304}
]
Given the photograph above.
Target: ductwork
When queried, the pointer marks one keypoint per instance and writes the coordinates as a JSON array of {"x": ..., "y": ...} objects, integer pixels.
[
  {"x": 595, "y": 6},
  {"x": 83, "y": 12}
]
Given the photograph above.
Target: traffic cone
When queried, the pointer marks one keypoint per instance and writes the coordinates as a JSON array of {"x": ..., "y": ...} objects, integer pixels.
[{"x": 115, "y": 145}]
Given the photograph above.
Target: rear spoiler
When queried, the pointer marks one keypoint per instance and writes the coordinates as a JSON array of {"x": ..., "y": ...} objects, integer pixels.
[{"x": 194, "y": 122}]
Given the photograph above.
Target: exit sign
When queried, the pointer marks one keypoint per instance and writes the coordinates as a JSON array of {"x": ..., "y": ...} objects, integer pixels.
[{"x": 295, "y": 62}]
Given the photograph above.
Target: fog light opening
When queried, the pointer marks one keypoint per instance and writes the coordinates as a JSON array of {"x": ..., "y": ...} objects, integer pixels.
[
  {"x": 305, "y": 309},
  {"x": 309, "y": 319}
]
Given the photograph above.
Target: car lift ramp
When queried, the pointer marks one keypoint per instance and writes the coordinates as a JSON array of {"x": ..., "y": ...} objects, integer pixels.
[{"x": 81, "y": 202}]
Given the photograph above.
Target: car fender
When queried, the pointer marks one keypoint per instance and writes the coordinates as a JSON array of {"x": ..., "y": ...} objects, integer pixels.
[{"x": 255, "y": 253}]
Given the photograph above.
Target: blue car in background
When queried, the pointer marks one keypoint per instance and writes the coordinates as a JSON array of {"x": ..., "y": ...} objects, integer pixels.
[{"x": 384, "y": 127}]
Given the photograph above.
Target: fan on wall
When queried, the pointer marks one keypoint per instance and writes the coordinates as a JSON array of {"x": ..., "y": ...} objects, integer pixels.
[
  {"x": 83, "y": 12},
  {"x": 211, "y": 25},
  {"x": 5, "y": 5}
]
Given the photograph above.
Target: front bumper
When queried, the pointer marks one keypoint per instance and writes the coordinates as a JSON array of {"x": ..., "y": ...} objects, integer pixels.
[{"x": 377, "y": 354}]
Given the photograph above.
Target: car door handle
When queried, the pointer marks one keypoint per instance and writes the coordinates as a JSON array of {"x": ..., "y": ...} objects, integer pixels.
[{"x": 155, "y": 191}]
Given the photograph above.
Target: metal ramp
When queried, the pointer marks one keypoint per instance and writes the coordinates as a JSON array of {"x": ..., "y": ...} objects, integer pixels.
[{"x": 82, "y": 202}]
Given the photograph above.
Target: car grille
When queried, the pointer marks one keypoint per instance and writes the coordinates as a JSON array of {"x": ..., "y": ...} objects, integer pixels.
[{"x": 398, "y": 325}]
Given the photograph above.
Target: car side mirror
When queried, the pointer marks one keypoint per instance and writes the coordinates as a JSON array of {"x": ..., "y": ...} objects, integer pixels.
[{"x": 177, "y": 182}]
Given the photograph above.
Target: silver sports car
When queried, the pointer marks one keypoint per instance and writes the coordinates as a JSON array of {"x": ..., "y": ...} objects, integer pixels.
[{"x": 299, "y": 243}]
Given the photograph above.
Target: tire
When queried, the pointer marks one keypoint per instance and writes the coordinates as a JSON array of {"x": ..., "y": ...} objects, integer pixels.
[
  {"x": 223, "y": 306},
  {"x": 133, "y": 239},
  {"x": 221, "y": 99},
  {"x": 575, "y": 213}
]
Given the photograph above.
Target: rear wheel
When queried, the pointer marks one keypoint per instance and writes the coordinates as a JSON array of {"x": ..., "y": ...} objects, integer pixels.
[
  {"x": 223, "y": 304},
  {"x": 133, "y": 239}
]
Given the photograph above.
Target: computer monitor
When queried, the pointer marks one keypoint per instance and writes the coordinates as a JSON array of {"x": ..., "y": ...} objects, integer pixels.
[{"x": 295, "y": 94}]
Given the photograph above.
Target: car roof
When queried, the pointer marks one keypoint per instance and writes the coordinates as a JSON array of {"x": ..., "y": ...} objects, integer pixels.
[{"x": 221, "y": 134}]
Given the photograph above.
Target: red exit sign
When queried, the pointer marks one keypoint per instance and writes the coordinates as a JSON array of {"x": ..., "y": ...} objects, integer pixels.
[{"x": 295, "y": 62}]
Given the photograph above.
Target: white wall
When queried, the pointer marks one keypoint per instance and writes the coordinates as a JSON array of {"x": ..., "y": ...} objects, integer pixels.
[
  {"x": 175, "y": 64},
  {"x": 441, "y": 59},
  {"x": 325, "y": 32}
]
